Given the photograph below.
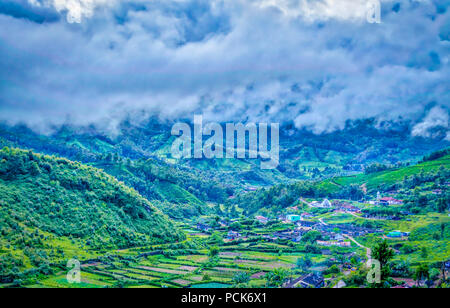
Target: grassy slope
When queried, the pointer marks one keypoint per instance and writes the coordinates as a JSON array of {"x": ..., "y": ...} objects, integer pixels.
[
  {"x": 165, "y": 190},
  {"x": 373, "y": 180}
]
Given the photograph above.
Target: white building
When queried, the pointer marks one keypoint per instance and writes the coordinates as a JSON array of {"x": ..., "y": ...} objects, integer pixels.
[{"x": 326, "y": 203}]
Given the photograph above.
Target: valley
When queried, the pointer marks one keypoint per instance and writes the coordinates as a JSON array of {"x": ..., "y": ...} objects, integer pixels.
[{"x": 305, "y": 234}]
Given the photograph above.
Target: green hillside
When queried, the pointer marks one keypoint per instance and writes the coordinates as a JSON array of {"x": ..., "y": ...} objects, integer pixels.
[
  {"x": 303, "y": 155},
  {"x": 413, "y": 183},
  {"x": 386, "y": 178},
  {"x": 52, "y": 208},
  {"x": 178, "y": 193}
]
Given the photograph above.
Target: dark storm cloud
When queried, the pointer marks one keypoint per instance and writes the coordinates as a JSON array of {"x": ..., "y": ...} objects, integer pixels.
[{"x": 317, "y": 64}]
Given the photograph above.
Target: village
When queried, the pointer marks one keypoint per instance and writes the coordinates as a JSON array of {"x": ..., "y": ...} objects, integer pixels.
[
  {"x": 337, "y": 228},
  {"x": 298, "y": 225}
]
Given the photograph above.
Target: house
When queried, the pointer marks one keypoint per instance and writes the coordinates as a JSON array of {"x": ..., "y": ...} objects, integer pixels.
[
  {"x": 405, "y": 283},
  {"x": 350, "y": 208},
  {"x": 390, "y": 201},
  {"x": 306, "y": 215},
  {"x": 341, "y": 284},
  {"x": 326, "y": 252},
  {"x": 326, "y": 203},
  {"x": 311, "y": 280},
  {"x": 394, "y": 234},
  {"x": 305, "y": 223},
  {"x": 397, "y": 234},
  {"x": 233, "y": 235},
  {"x": 203, "y": 227},
  {"x": 294, "y": 236},
  {"x": 293, "y": 218},
  {"x": 315, "y": 203},
  {"x": 262, "y": 219},
  {"x": 385, "y": 203},
  {"x": 392, "y": 192},
  {"x": 333, "y": 243},
  {"x": 223, "y": 223},
  {"x": 339, "y": 237},
  {"x": 447, "y": 265}
]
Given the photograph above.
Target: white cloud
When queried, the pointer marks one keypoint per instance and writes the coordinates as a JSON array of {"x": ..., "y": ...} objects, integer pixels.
[
  {"x": 314, "y": 10},
  {"x": 228, "y": 59},
  {"x": 437, "y": 117},
  {"x": 75, "y": 10}
]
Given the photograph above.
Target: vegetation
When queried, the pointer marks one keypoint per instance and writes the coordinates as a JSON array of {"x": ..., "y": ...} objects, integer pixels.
[
  {"x": 107, "y": 211},
  {"x": 44, "y": 198}
]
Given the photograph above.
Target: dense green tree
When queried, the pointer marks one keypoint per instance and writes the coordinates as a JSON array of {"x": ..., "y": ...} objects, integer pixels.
[
  {"x": 422, "y": 272},
  {"x": 241, "y": 278},
  {"x": 383, "y": 254}
]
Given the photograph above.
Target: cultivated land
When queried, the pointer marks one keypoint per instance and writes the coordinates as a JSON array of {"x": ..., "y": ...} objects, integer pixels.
[{"x": 160, "y": 266}]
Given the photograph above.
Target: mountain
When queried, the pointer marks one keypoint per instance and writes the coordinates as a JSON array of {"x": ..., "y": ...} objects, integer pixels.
[
  {"x": 303, "y": 155},
  {"x": 51, "y": 207},
  {"x": 139, "y": 155}
]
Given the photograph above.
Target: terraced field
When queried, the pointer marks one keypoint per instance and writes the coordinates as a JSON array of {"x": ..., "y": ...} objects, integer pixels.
[{"x": 125, "y": 270}]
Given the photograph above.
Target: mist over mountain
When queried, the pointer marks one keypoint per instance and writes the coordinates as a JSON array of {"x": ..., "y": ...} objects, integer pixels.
[
  {"x": 303, "y": 154},
  {"x": 317, "y": 64}
]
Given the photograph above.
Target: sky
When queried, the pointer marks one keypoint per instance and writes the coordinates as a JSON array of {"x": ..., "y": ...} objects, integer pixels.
[{"x": 317, "y": 64}]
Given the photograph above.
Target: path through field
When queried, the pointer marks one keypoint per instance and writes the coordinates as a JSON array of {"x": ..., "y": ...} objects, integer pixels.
[{"x": 368, "y": 250}]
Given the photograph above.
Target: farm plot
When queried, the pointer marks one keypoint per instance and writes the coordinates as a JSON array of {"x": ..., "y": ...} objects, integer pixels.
[
  {"x": 88, "y": 280},
  {"x": 163, "y": 270}
]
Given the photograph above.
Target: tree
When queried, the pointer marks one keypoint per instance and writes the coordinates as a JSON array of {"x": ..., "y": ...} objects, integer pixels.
[
  {"x": 304, "y": 263},
  {"x": 422, "y": 272},
  {"x": 443, "y": 270},
  {"x": 241, "y": 278},
  {"x": 235, "y": 226},
  {"x": 216, "y": 238},
  {"x": 383, "y": 254},
  {"x": 424, "y": 253},
  {"x": 206, "y": 277},
  {"x": 34, "y": 169},
  {"x": 441, "y": 205},
  {"x": 277, "y": 277},
  {"x": 311, "y": 236},
  {"x": 334, "y": 269},
  {"x": 214, "y": 251}
]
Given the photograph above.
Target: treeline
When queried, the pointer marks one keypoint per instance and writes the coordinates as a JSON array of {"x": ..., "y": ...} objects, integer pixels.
[{"x": 436, "y": 155}]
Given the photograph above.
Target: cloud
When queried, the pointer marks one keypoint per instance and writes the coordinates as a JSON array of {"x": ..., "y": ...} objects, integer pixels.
[
  {"x": 314, "y": 10},
  {"x": 24, "y": 9},
  {"x": 75, "y": 10},
  {"x": 437, "y": 117},
  {"x": 315, "y": 63}
]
